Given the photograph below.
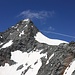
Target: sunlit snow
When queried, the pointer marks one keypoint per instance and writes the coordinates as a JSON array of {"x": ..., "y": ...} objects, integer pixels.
[
  {"x": 1, "y": 43},
  {"x": 23, "y": 58},
  {"x": 15, "y": 26},
  {"x": 12, "y": 26},
  {"x": 7, "y": 44},
  {"x": 43, "y": 39},
  {"x": 49, "y": 58},
  {"x": 69, "y": 70},
  {"x": 17, "y": 29},
  {"x": 10, "y": 33},
  {"x": 25, "y": 26},
  {"x": 0, "y": 36},
  {"x": 26, "y": 20},
  {"x": 22, "y": 33}
]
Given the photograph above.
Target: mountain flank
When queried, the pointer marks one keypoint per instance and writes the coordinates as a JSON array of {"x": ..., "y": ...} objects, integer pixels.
[{"x": 24, "y": 50}]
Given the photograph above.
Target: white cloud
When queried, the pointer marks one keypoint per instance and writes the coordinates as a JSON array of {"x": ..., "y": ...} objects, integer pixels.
[{"x": 37, "y": 15}]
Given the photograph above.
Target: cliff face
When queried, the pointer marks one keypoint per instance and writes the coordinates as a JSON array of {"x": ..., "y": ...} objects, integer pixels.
[{"x": 26, "y": 51}]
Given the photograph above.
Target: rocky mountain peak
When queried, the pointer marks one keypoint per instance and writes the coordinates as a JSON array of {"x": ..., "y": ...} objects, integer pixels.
[
  {"x": 26, "y": 51},
  {"x": 22, "y": 29}
]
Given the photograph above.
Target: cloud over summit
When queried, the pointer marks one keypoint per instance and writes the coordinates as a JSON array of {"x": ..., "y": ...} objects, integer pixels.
[{"x": 36, "y": 15}]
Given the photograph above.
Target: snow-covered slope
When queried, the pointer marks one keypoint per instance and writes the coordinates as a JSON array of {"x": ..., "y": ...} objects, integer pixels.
[
  {"x": 26, "y": 51},
  {"x": 24, "y": 61},
  {"x": 43, "y": 39}
]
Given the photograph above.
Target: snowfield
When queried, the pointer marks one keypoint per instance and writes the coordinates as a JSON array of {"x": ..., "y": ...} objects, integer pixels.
[
  {"x": 43, "y": 39},
  {"x": 28, "y": 61}
]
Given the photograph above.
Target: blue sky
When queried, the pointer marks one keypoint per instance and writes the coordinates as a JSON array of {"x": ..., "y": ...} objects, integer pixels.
[{"x": 54, "y": 18}]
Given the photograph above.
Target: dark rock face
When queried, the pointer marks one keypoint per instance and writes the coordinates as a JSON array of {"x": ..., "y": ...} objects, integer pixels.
[{"x": 62, "y": 55}]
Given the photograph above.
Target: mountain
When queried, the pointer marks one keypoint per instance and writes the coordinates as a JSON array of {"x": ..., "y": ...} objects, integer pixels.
[{"x": 24, "y": 50}]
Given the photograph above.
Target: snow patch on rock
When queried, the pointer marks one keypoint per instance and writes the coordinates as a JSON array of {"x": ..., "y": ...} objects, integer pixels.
[
  {"x": 17, "y": 29},
  {"x": 7, "y": 44},
  {"x": 69, "y": 70},
  {"x": 26, "y": 25},
  {"x": 22, "y": 33},
  {"x": 0, "y": 36},
  {"x": 49, "y": 58},
  {"x": 1, "y": 43},
  {"x": 26, "y": 20}
]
